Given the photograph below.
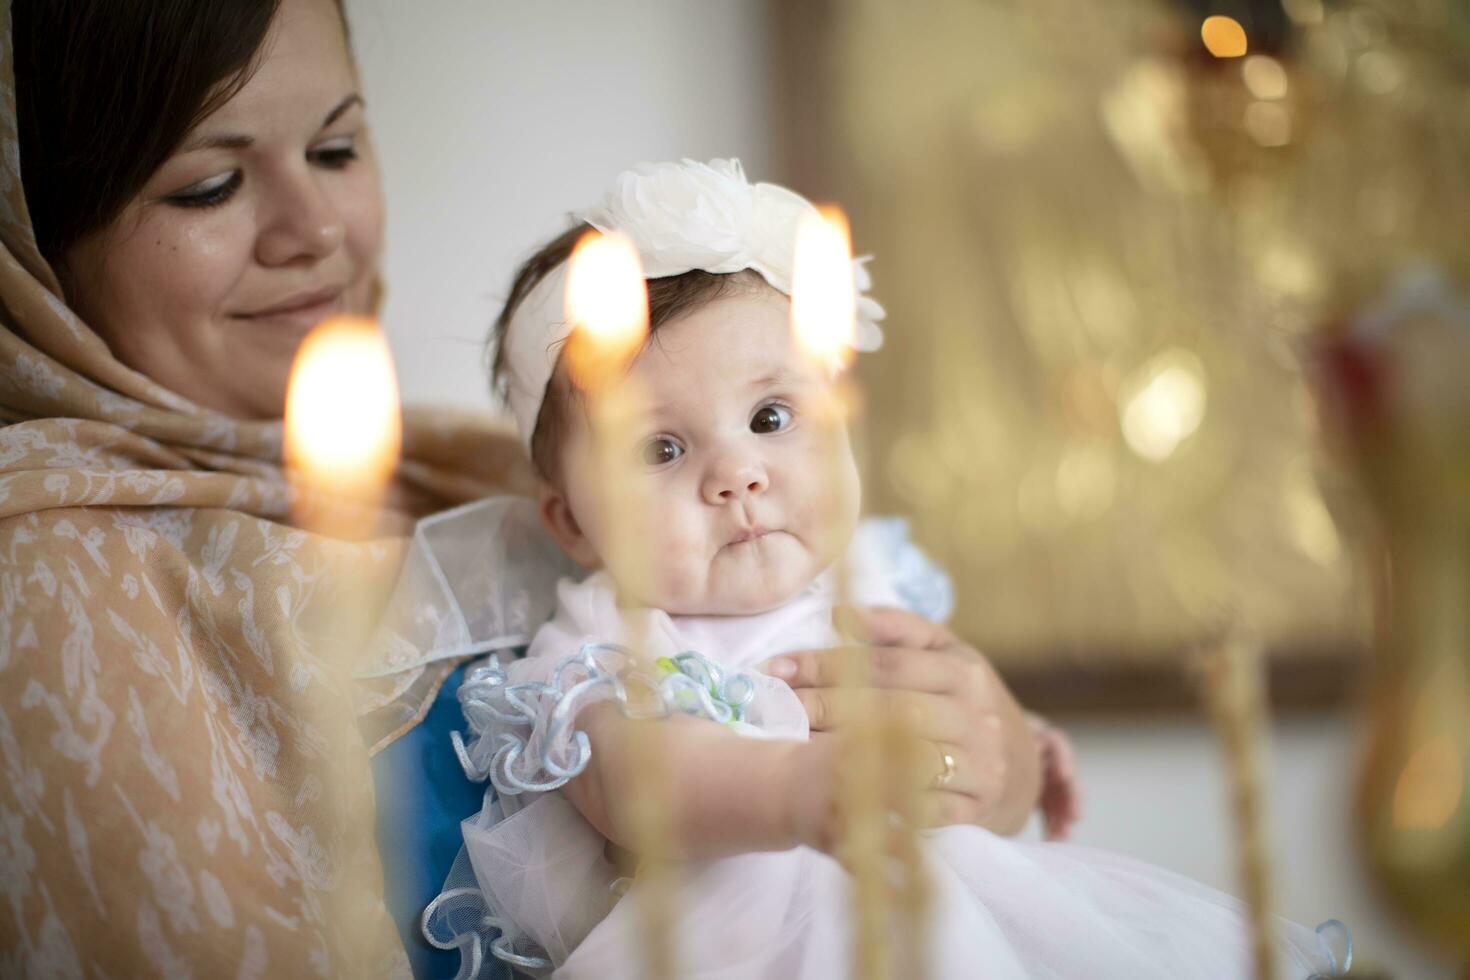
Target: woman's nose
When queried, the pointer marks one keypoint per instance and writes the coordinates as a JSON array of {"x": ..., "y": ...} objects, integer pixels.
[
  {"x": 304, "y": 224},
  {"x": 731, "y": 480}
]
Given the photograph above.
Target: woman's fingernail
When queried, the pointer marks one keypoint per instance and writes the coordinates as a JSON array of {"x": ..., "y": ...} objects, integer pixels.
[{"x": 782, "y": 668}]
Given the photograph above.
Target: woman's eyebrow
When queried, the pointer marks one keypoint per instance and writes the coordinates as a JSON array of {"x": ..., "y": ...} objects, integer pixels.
[
  {"x": 238, "y": 141},
  {"x": 223, "y": 141},
  {"x": 343, "y": 106}
]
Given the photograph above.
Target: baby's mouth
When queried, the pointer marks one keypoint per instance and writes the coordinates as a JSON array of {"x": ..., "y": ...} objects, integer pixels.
[{"x": 750, "y": 534}]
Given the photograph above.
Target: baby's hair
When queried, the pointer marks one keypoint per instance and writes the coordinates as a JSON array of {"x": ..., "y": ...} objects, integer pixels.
[{"x": 669, "y": 298}]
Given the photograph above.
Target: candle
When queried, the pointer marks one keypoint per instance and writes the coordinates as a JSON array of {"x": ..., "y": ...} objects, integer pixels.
[
  {"x": 607, "y": 305},
  {"x": 823, "y": 292},
  {"x": 343, "y": 431},
  {"x": 824, "y": 323},
  {"x": 343, "y": 426},
  {"x": 1235, "y": 690}
]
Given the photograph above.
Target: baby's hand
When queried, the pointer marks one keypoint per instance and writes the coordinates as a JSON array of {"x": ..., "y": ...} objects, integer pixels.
[{"x": 1061, "y": 796}]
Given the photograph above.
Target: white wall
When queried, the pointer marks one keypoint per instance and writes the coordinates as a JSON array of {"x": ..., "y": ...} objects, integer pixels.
[
  {"x": 496, "y": 117},
  {"x": 1155, "y": 790}
]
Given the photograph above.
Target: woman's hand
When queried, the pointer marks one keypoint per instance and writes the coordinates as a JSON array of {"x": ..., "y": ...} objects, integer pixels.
[{"x": 950, "y": 696}]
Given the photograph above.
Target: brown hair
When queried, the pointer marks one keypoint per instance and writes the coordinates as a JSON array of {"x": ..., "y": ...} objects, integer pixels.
[
  {"x": 106, "y": 91},
  {"x": 669, "y": 298}
]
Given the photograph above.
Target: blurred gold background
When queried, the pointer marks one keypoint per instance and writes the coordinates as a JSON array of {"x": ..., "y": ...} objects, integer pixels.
[
  {"x": 1179, "y": 333},
  {"x": 1107, "y": 254}
]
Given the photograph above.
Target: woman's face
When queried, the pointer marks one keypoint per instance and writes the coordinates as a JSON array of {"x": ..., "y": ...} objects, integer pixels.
[{"x": 264, "y": 221}]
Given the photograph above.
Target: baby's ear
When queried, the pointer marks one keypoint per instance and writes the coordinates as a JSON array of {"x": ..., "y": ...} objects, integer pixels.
[{"x": 561, "y": 524}]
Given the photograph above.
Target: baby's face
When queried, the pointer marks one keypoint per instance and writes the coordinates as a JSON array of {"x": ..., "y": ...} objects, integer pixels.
[{"x": 743, "y": 487}]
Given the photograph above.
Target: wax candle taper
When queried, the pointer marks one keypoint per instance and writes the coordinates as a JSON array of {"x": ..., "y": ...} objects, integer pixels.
[
  {"x": 607, "y": 305},
  {"x": 824, "y": 323},
  {"x": 342, "y": 436}
]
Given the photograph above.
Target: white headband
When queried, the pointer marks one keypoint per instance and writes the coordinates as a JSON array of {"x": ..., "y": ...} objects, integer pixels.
[{"x": 680, "y": 216}]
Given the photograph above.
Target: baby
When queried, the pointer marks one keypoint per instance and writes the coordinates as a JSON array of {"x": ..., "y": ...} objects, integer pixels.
[{"x": 747, "y": 501}]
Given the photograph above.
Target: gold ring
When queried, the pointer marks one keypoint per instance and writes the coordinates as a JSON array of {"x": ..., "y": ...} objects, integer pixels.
[{"x": 942, "y": 780}]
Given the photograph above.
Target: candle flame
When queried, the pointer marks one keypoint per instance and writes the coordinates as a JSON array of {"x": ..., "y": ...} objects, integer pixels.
[
  {"x": 607, "y": 304},
  {"x": 823, "y": 292},
  {"x": 343, "y": 428}
]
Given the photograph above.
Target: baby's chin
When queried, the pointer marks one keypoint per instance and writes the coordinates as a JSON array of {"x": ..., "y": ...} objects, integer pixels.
[
  {"x": 743, "y": 605},
  {"x": 729, "y": 595}
]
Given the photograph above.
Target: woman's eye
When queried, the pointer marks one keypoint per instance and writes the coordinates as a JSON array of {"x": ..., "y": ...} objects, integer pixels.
[
  {"x": 772, "y": 418},
  {"x": 334, "y": 154},
  {"x": 661, "y": 451},
  {"x": 208, "y": 193}
]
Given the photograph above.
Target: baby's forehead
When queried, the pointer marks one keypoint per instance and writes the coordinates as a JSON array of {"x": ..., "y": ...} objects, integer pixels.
[
  {"x": 701, "y": 386},
  {"x": 735, "y": 342}
]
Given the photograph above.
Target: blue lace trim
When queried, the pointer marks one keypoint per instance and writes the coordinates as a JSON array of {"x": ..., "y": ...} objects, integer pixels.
[
  {"x": 1325, "y": 933},
  {"x": 460, "y": 919},
  {"x": 503, "y": 718},
  {"x": 921, "y": 584}
]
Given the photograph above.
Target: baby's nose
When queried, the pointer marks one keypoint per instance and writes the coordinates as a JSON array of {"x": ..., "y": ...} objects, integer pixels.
[{"x": 735, "y": 482}]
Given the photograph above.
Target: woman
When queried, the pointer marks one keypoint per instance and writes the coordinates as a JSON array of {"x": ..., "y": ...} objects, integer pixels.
[{"x": 184, "y": 783}]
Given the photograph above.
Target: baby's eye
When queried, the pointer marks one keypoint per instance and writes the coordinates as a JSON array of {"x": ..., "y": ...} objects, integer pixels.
[
  {"x": 657, "y": 452},
  {"x": 771, "y": 418}
]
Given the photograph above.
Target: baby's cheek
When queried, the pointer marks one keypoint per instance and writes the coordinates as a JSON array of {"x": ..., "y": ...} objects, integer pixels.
[
  {"x": 678, "y": 590},
  {"x": 678, "y": 557},
  {"x": 829, "y": 519}
]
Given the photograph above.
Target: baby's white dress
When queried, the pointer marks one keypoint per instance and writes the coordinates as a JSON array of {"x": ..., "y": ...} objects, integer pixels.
[{"x": 1000, "y": 908}]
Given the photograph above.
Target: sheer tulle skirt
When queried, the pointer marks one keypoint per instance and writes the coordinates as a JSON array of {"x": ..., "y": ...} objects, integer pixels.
[{"x": 999, "y": 908}]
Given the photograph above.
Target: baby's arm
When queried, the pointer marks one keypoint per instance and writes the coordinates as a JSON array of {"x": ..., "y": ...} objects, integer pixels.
[{"x": 727, "y": 794}]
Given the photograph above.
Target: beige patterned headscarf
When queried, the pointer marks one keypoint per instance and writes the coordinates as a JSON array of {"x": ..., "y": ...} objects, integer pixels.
[{"x": 184, "y": 784}]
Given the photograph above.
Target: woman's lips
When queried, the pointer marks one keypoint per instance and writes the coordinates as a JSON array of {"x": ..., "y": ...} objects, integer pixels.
[{"x": 303, "y": 311}]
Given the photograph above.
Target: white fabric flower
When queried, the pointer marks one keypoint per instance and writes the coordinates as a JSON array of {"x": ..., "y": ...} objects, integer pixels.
[
  {"x": 680, "y": 216},
  {"x": 692, "y": 215}
]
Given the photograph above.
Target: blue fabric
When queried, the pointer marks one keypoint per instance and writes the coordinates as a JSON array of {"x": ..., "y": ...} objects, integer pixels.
[{"x": 422, "y": 796}]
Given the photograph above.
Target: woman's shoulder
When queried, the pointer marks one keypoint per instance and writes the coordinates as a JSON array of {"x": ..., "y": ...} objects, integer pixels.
[
  {"x": 124, "y": 554},
  {"x": 126, "y": 600},
  {"x": 154, "y": 707},
  {"x": 90, "y": 553}
]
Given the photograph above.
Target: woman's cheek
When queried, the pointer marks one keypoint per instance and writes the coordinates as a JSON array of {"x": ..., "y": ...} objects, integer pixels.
[
  {"x": 175, "y": 270},
  {"x": 209, "y": 256},
  {"x": 361, "y": 205}
]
